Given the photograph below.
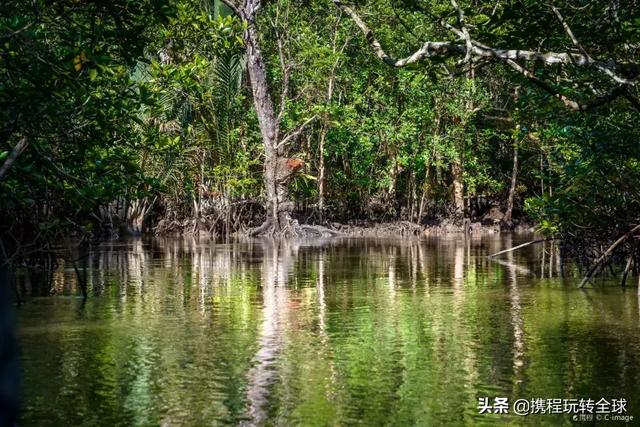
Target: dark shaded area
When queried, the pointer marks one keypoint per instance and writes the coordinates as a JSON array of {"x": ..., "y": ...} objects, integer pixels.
[{"x": 9, "y": 354}]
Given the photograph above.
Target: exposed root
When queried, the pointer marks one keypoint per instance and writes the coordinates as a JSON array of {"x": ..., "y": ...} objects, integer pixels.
[
  {"x": 319, "y": 231},
  {"x": 220, "y": 225},
  {"x": 266, "y": 226},
  {"x": 600, "y": 261},
  {"x": 387, "y": 230},
  {"x": 288, "y": 227}
]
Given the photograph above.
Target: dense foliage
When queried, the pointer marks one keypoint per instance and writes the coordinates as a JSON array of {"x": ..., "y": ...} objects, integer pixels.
[{"x": 138, "y": 115}]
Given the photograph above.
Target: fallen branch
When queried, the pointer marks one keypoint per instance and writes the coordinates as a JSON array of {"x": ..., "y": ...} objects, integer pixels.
[
  {"x": 598, "y": 264},
  {"x": 520, "y": 246}
]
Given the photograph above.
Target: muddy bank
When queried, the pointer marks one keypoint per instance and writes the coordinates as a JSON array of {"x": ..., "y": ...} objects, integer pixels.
[
  {"x": 250, "y": 222},
  {"x": 409, "y": 229},
  {"x": 358, "y": 228}
]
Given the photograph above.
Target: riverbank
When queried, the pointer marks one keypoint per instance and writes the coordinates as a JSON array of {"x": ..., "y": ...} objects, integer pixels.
[{"x": 355, "y": 228}]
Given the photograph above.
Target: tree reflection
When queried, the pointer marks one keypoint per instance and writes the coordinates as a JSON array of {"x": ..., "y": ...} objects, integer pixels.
[
  {"x": 278, "y": 261},
  {"x": 264, "y": 332}
]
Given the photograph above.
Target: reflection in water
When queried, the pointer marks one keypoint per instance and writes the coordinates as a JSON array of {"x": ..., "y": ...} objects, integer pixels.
[
  {"x": 516, "y": 318},
  {"x": 337, "y": 332},
  {"x": 278, "y": 259}
]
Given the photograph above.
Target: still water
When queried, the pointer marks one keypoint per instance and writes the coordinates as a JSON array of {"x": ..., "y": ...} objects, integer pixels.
[{"x": 339, "y": 332}]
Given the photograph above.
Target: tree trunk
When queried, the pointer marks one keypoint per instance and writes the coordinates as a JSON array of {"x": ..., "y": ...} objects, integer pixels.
[
  {"x": 512, "y": 190},
  {"x": 137, "y": 213},
  {"x": 135, "y": 217},
  {"x": 391, "y": 190},
  {"x": 458, "y": 188},
  {"x": 278, "y": 205},
  {"x": 412, "y": 199},
  {"x": 323, "y": 132},
  {"x": 423, "y": 199},
  {"x": 321, "y": 170}
]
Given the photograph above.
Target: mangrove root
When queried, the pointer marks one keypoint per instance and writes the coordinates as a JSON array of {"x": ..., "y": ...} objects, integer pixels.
[{"x": 598, "y": 264}]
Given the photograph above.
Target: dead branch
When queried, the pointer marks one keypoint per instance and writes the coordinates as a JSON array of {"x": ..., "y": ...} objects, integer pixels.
[{"x": 520, "y": 246}]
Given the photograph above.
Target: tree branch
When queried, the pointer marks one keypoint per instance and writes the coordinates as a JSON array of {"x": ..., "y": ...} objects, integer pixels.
[
  {"x": 576, "y": 43},
  {"x": 231, "y": 5},
  {"x": 286, "y": 69},
  {"x": 465, "y": 32},
  {"x": 296, "y": 132},
  {"x": 633, "y": 100},
  {"x": 18, "y": 31},
  {"x": 567, "y": 30},
  {"x": 472, "y": 48},
  {"x": 432, "y": 49},
  {"x": 15, "y": 153},
  {"x": 569, "y": 103}
]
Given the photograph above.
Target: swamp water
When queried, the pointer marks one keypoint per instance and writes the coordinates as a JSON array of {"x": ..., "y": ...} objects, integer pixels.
[{"x": 338, "y": 332}]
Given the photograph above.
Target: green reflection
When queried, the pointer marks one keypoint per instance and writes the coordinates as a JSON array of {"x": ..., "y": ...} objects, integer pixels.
[{"x": 343, "y": 332}]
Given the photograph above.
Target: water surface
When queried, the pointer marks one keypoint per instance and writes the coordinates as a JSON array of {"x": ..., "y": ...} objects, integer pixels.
[{"x": 339, "y": 332}]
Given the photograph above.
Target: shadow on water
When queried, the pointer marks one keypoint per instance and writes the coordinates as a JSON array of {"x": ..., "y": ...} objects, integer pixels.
[
  {"x": 9, "y": 355},
  {"x": 336, "y": 332}
]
